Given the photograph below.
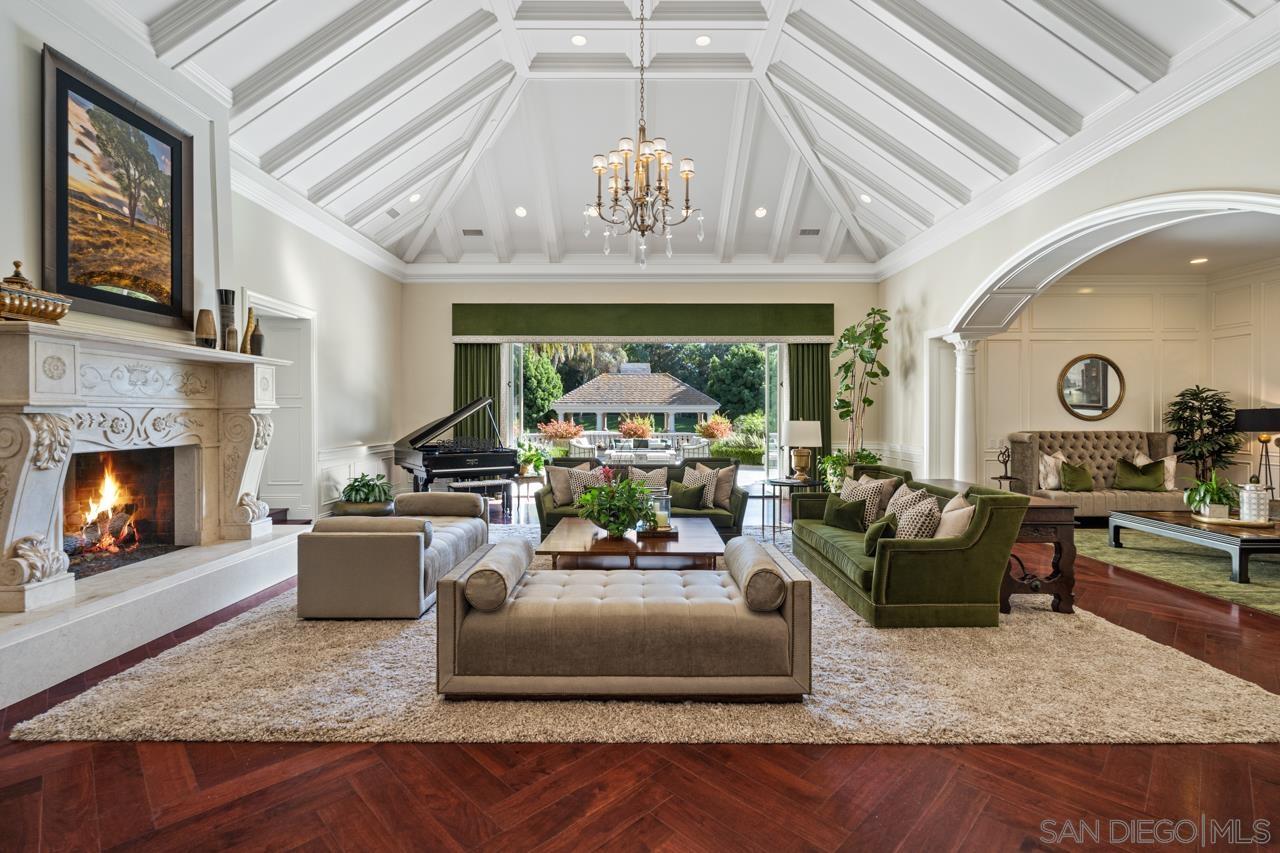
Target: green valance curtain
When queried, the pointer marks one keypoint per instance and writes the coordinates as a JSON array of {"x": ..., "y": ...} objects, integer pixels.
[
  {"x": 743, "y": 321},
  {"x": 477, "y": 372},
  {"x": 809, "y": 382}
]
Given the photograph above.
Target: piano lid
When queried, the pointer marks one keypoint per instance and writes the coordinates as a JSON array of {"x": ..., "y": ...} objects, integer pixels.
[{"x": 436, "y": 428}]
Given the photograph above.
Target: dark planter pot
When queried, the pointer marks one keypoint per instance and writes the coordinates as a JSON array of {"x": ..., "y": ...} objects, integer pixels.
[{"x": 352, "y": 508}]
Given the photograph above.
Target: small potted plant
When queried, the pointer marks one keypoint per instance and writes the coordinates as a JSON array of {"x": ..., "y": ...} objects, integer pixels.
[
  {"x": 365, "y": 495},
  {"x": 531, "y": 459},
  {"x": 560, "y": 433},
  {"x": 1212, "y": 498},
  {"x": 617, "y": 506},
  {"x": 634, "y": 426}
]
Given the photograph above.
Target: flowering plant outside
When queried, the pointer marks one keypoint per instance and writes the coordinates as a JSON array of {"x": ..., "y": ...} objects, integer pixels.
[{"x": 560, "y": 430}]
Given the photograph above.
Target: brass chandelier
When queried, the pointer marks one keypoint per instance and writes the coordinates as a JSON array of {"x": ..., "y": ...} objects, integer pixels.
[{"x": 638, "y": 187}]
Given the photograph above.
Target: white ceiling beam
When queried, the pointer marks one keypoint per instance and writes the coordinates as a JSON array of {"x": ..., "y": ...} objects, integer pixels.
[
  {"x": 449, "y": 238},
  {"x": 315, "y": 54},
  {"x": 495, "y": 210},
  {"x": 1251, "y": 8},
  {"x": 374, "y": 97},
  {"x": 1095, "y": 33},
  {"x": 902, "y": 95},
  {"x": 787, "y": 209},
  {"x": 498, "y": 117},
  {"x": 910, "y": 161},
  {"x": 185, "y": 29},
  {"x": 396, "y": 232},
  {"x": 618, "y": 66},
  {"x": 459, "y": 102},
  {"x": 511, "y": 39},
  {"x": 746, "y": 110},
  {"x": 404, "y": 186},
  {"x": 978, "y": 66},
  {"x": 785, "y": 118},
  {"x": 832, "y": 239},
  {"x": 546, "y": 207},
  {"x": 870, "y": 183}
]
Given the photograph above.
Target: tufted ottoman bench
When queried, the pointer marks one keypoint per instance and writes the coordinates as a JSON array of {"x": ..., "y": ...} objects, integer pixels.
[{"x": 740, "y": 633}]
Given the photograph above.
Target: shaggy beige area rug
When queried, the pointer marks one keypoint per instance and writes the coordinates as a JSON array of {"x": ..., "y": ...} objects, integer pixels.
[{"x": 1041, "y": 677}]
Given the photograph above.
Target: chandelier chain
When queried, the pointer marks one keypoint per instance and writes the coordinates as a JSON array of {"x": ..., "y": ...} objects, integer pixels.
[{"x": 642, "y": 63}]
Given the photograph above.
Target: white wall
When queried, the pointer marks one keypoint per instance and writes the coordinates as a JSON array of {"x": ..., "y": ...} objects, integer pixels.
[{"x": 1226, "y": 143}]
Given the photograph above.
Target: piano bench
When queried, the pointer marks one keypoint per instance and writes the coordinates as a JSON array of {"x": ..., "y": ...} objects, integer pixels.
[{"x": 487, "y": 488}]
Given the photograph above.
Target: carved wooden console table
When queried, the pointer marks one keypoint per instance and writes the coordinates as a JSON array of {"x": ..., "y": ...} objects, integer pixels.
[{"x": 1054, "y": 524}]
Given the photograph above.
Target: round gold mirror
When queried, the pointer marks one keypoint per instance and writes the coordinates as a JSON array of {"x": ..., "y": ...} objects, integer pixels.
[{"x": 1091, "y": 387}]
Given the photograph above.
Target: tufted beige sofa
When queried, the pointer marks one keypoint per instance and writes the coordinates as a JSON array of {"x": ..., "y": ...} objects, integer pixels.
[
  {"x": 364, "y": 567},
  {"x": 661, "y": 633},
  {"x": 1100, "y": 450}
]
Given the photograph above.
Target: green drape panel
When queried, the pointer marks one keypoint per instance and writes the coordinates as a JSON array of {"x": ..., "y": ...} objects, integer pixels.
[
  {"x": 809, "y": 383},
  {"x": 744, "y": 321},
  {"x": 477, "y": 372}
]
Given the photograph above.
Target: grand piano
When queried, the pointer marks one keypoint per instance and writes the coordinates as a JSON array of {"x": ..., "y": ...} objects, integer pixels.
[{"x": 428, "y": 457}]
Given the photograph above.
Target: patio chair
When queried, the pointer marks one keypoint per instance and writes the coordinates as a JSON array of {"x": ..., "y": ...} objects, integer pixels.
[
  {"x": 698, "y": 448},
  {"x": 581, "y": 448}
]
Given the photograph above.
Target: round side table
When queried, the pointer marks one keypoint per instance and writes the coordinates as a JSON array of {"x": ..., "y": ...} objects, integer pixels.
[{"x": 790, "y": 485}]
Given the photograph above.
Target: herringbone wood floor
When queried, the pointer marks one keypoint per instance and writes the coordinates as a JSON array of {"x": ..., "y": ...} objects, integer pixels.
[{"x": 200, "y": 796}]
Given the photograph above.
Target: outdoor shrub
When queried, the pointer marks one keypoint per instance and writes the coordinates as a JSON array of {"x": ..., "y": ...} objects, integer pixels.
[
  {"x": 751, "y": 424},
  {"x": 560, "y": 430},
  {"x": 633, "y": 426},
  {"x": 745, "y": 449}
]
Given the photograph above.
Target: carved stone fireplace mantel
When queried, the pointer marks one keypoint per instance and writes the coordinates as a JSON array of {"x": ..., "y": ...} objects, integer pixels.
[{"x": 65, "y": 391}]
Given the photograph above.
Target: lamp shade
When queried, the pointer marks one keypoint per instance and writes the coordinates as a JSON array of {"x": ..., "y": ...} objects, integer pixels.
[
  {"x": 802, "y": 434},
  {"x": 1257, "y": 420}
]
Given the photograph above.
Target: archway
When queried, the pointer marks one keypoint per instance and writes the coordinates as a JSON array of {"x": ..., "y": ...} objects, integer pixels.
[{"x": 1014, "y": 284}]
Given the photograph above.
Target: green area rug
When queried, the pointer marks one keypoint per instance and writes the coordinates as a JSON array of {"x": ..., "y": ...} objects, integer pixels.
[{"x": 1193, "y": 566}]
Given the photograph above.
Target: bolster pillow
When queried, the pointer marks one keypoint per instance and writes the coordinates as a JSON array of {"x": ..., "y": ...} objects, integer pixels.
[
  {"x": 762, "y": 583},
  {"x": 441, "y": 503},
  {"x": 374, "y": 524},
  {"x": 493, "y": 578}
]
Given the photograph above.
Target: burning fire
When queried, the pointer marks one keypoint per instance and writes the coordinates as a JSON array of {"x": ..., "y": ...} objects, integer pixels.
[
  {"x": 107, "y": 525},
  {"x": 109, "y": 496}
]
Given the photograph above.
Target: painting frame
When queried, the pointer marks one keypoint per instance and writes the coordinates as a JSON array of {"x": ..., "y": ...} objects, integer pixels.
[{"x": 61, "y": 77}]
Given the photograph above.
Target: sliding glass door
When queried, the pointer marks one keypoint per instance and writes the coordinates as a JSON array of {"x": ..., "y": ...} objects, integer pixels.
[{"x": 774, "y": 416}]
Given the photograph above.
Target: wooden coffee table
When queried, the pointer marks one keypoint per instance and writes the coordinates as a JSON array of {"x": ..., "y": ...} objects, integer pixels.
[
  {"x": 1239, "y": 542},
  {"x": 698, "y": 542}
]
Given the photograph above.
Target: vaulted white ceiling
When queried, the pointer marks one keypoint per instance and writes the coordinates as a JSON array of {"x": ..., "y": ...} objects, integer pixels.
[{"x": 855, "y": 127}]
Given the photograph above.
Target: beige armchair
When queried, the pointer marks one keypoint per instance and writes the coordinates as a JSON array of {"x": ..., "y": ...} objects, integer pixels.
[{"x": 364, "y": 567}]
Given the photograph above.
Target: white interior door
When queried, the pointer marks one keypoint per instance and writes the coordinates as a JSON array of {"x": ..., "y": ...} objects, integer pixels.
[{"x": 289, "y": 479}]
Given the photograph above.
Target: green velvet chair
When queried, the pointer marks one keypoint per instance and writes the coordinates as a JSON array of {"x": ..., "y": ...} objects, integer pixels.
[
  {"x": 915, "y": 583},
  {"x": 728, "y": 522}
]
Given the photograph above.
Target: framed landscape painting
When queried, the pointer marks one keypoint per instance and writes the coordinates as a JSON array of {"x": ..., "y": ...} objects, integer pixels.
[{"x": 117, "y": 201}]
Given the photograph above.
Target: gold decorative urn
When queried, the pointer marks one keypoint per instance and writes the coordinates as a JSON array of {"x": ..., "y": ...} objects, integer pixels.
[{"x": 21, "y": 300}]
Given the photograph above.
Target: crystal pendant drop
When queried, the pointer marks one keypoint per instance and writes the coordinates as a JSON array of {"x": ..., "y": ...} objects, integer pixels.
[
  {"x": 608, "y": 246},
  {"x": 669, "y": 251},
  {"x": 644, "y": 256},
  {"x": 702, "y": 234},
  {"x": 586, "y": 222}
]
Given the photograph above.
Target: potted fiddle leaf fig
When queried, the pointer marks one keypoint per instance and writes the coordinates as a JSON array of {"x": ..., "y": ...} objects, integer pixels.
[
  {"x": 365, "y": 495},
  {"x": 1212, "y": 498}
]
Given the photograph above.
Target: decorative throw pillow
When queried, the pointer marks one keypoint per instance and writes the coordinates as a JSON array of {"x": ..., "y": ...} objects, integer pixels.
[
  {"x": 580, "y": 481},
  {"x": 656, "y": 479},
  {"x": 905, "y": 498},
  {"x": 1076, "y": 478},
  {"x": 706, "y": 479},
  {"x": 558, "y": 477},
  {"x": 956, "y": 517},
  {"x": 1170, "y": 468},
  {"x": 869, "y": 493},
  {"x": 1139, "y": 478},
  {"x": 685, "y": 497},
  {"x": 847, "y": 515},
  {"x": 894, "y": 483},
  {"x": 919, "y": 522},
  {"x": 882, "y": 529},
  {"x": 725, "y": 478},
  {"x": 1051, "y": 471}
]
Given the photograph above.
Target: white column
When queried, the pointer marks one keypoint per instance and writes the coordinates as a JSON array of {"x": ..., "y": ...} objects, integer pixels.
[{"x": 966, "y": 450}]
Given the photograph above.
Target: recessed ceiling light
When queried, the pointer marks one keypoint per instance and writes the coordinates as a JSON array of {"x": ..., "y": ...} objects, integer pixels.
[
  {"x": 761, "y": 212},
  {"x": 521, "y": 212},
  {"x": 415, "y": 198},
  {"x": 1199, "y": 260},
  {"x": 702, "y": 41},
  {"x": 578, "y": 40},
  {"x": 864, "y": 198}
]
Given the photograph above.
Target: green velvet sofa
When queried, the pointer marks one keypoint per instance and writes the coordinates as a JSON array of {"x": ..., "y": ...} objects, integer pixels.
[
  {"x": 915, "y": 583},
  {"x": 728, "y": 522}
]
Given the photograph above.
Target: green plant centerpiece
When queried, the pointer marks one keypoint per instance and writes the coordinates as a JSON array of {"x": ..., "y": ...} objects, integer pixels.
[
  {"x": 365, "y": 495},
  {"x": 531, "y": 458},
  {"x": 833, "y": 467},
  {"x": 1202, "y": 421},
  {"x": 1213, "y": 498},
  {"x": 860, "y": 372},
  {"x": 617, "y": 506}
]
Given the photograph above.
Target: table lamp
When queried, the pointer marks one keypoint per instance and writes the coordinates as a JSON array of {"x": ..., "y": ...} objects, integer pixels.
[
  {"x": 801, "y": 436},
  {"x": 1263, "y": 423}
]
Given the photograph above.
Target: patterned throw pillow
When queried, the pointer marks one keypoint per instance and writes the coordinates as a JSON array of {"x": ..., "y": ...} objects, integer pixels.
[
  {"x": 892, "y": 484},
  {"x": 706, "y": 479},
  {"x": 871, "y": 493},
  {"x": 919, "y": 522},
  {"x": 1051, "y": 471},
  {"x": 725, "y": 478},
  {"x": 558, "y": 479},
  {"x": 905, "y": 498},
  {"x": 580, "y": 481},
  {"x": 656, "y": 479}
]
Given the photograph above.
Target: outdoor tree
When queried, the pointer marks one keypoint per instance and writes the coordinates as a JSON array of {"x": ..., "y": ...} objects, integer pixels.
[
  {"x": 736, "y": 380},
  {"x": 860, "y": 372},
  {"x": 129, "y": 159},
  {"x": 542, "y": 387},
  {"x": 1202, "y": 421}
]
